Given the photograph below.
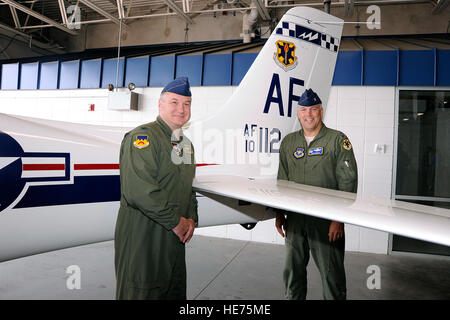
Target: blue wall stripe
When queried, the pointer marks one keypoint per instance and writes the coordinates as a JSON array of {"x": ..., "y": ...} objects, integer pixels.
[
  {"x": 10, "y": 76},
  {"x": 69, "y": 74},
  {"x": 217, "y": 70},
  {"x": 241, "y": 63},
  {"x": 161, "y": 70},
  {"x": 388, "y": 67},
  {"x": 90, "y": 73},
  {"x": 435, "y": 69},
  {"x": 48, "y": 78},
  {"x": 380, "y": 68},
  {"x": 137, "y": 71},
  {"x": 191, "y": 67},
  {"x": 29, "y": 75},
  {"x": 348, "y": 70},
  {"x": 417, "y": 68},
  {"x": 110, "y": 71},
  {"x": 443, "y": 68}
]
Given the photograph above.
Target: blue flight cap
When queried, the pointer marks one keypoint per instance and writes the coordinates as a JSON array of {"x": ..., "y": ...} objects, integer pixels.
[
  {"x": 309, "y": 98},
  {"x": 179, "y": 86}
]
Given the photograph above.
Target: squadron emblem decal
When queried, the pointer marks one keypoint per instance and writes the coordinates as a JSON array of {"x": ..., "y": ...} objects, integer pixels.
[{"x": 285, "y": 56}]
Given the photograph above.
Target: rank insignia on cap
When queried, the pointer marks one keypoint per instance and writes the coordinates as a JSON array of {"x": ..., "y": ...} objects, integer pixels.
[
  {"x": 299, "y": 153},
  {"x": 346, "y": 145},
  {"x": 315, "y": 151},
  {"x": 141, "y": 141}
]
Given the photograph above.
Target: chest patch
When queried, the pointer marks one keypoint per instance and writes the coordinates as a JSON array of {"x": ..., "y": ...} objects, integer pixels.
[
  {"x": 141, "y": 141},
  {"x": 315, "y": 151},
  {"x": 299, "y": 153}
]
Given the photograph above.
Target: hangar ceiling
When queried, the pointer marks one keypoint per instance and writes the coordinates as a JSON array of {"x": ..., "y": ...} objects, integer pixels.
[
  {"x": 34, "y": 21},
  {"x": 38, "y": 14}
]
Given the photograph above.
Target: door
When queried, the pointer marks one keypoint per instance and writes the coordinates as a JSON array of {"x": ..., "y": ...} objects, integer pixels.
[{"x": 423, "y": 158}]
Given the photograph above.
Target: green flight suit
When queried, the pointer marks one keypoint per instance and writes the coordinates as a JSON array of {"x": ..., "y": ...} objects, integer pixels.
[
  {"x": 328, "y": 162},
  {"x": 156, "y": 174}
]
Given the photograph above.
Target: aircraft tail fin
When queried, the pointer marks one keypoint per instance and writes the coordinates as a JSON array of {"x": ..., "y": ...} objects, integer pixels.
[{"x": 300, "y": 54}]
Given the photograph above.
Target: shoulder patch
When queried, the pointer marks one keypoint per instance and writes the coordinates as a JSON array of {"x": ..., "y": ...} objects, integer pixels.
[
  {"x": 141, "y": 141},
  {"x": 346, "y": 145}
]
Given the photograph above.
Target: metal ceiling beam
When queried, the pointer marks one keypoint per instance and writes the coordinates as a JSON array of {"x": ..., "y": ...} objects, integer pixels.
[
  {"x": 62, "y": 9},
  {"x": 15, "y": 17},
  {"x": 130, "y": 5},
  {"x": 120, "y": 9},
  {"x": 26, "y": 38},
  {"x": 441, "y": 5},
  {"x": 28, "y": 16},
  {"x": 39, "y": 16},
  {"x": 102, "y": 12},
  {"x": 178, "y": 10}
]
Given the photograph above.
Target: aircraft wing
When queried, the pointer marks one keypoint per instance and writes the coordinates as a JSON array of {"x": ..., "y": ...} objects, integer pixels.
[{"x": 402, "y": 218}]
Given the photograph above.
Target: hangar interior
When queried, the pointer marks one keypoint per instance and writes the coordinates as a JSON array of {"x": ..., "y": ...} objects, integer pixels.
[{"x": 389, "y": 94}]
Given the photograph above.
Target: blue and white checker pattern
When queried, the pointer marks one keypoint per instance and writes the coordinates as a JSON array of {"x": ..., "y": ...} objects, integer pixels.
[
  {"x": 287, "y": 29},
  {"x": 290, "y": 29},
  {"x": 329, "y": 42}
]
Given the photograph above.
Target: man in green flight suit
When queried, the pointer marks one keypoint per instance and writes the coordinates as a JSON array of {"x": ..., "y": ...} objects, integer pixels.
[
  {"x": 158, "y": 209},
  {"x": 321, "y": 157}
]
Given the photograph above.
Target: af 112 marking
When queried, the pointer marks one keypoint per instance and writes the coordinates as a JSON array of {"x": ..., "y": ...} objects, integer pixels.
[{"x": 260, "y": 139}]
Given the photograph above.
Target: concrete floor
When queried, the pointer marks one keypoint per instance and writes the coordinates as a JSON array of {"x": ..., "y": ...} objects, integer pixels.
[{"x": 224, "y": 269}]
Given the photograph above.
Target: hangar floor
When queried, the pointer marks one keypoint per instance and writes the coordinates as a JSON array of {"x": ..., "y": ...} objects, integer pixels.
[{"x": 224, "y": 269}]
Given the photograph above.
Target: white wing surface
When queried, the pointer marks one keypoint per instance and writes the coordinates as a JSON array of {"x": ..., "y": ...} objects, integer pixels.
[{"x": 406, "y": 219}]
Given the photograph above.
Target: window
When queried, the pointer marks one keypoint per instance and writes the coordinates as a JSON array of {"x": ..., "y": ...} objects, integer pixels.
[{"x": 423, "y": 153}]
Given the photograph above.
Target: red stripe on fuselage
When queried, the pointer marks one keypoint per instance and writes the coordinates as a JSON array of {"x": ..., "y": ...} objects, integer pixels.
[
  {"x": 96, "y": 166},
  {"x": 43, "y": 167}
]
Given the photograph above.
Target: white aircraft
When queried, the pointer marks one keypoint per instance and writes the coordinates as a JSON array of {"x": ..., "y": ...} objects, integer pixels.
[{"x": 60, "y": 186}]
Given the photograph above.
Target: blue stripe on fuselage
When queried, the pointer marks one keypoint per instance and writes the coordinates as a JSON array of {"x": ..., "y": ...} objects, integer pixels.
[{"x": 85, "y": 189}]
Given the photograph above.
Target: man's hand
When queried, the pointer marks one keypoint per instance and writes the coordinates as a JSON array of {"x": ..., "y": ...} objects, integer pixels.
[
  {"x": 280, "y": 223},
  {"x": 336, "y": 231},
  {"x": 185, "y": 229}
]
